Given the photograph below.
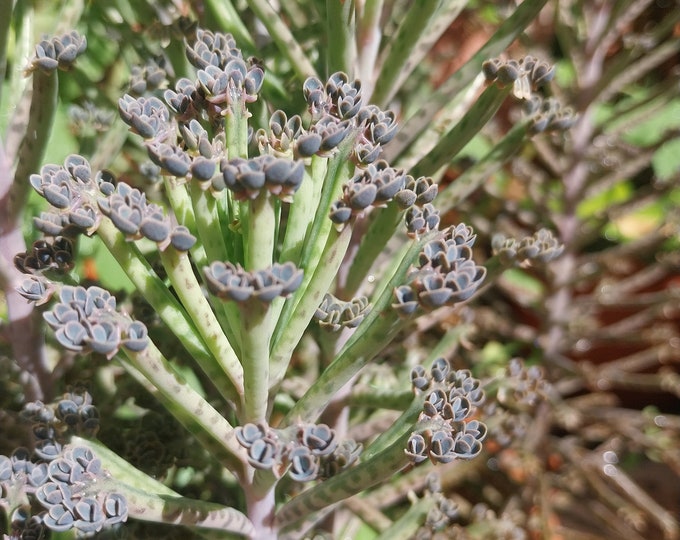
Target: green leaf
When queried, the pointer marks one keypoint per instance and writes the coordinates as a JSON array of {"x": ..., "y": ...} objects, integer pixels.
[{"x": 666, "y": 160}]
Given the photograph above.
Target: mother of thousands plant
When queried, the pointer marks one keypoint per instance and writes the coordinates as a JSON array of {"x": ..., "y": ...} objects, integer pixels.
[
  {"x": 269, "y": 232},
  {"x": 257, "y": 227}
]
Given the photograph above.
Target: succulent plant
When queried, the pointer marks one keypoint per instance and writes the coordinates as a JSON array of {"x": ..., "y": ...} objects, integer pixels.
[{"x": 251, "y": 258}]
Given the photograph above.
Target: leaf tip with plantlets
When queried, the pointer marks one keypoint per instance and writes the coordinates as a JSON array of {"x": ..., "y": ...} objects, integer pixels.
[
  {"x": 527, "y": 76},
  {"x": 540, "y": 248},
  {"x": 59, "y": 52},
  {"x": 334, "y": 314},
  {"x": 304, "y": 451},
  {"x": 446, "y": 429},
  {"x": 59, "y": 486},
  {"x": 445, "y": 274},
  {"x": 86, "y": 320}
]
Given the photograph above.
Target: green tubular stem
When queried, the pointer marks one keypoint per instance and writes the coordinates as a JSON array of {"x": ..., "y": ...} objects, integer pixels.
[
  {"x": 229, "y": 212},
  {"x": 445, "y": 120},
  {"x": 230, "y": 320},
  {"x": 479, "y": 173},
  {"x": 330, "y": 188},
  {"x": 261, "y": 228},
  {"x": 337, "y": 172},
  {"x": 446, "y": 12},
  {"x": 224, "y": 360},
  {"x": 255, "y": 336},
  {"x": 369, "y": 34},
  {"x": 232, "y": 220},
  {"x": 152, "y": 288},
  {"x": 349, "y": 482},
  {"x": 375, "y": 331},
  {"x": 509, "y": 30},
  {"x": 210, "y": 428},
  {"x": 236, "y": 130},
  {"x": 341, "y": 29},
  {"x": 401, "y": 425},
  {"x": 174, "y": 510},
  {"x": 283, "y": 38},
  {"x": 182, "y": 207},
  {"x": 380, "y": 398},
  {"x": 229, "y": 314},
  {"x": 207, "y": 218},
  {"x": 320, "y": 282},
  {"x": 384, "y": 222},
  {"x": 300, "y": 217},
  {"x": 256, "y": 316},
  {"x": 408, "y": 524},
  {"x": 299, "y": 224},
  {"x": 319, "y": 172},
  {"x": 400, "y": 47},
  {"x": 225, "y": 17},
  {"x": 35, "y": 135},
  {"x": 453, "y": 142},
  {"x": 387, "y": 280}
]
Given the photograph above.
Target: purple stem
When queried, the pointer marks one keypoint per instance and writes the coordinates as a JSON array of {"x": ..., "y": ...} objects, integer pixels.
[{"x": 24, "y": 328}]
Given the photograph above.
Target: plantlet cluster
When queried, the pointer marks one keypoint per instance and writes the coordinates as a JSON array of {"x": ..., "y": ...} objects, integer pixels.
[
  {"x": 259, "y": 278},
  {"x": 58, "y": 486}
]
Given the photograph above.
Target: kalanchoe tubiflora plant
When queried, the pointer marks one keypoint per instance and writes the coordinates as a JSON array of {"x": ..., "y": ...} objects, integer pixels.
[
  {"x": 251, "y": 246},
  {"x": 251, "y": 249}
]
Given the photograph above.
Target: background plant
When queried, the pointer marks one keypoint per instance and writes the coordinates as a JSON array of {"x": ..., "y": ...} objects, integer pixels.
[{"x": 575, "y": 428}]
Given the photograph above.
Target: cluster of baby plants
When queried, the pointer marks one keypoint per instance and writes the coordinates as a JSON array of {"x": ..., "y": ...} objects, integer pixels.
[{"x": 316, "y": 291}]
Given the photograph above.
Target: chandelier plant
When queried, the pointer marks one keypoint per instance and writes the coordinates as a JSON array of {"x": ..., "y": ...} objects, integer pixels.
[{"x": 280, "y": 235}]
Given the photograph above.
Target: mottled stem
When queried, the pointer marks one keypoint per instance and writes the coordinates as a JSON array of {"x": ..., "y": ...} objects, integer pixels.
[
  {"x": 453, "y": 142},
  {"x": 376, "y": 330},
  {"x": 261, "y": 513},
  {"x": 175, "y": 510},
  {"x": 341, "y": 27},
  {"x": 328, "y": 263},
  {"x": 157, "y": 375},
  {"x": 25, "y": 328},
  {"x": 256, "y": 316},
  {"x": 154, "y": 291},
  {"x": 284, "y": 39},
  {"x": 351, "y": 481},
  {"x": 224, "y": 360}
]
